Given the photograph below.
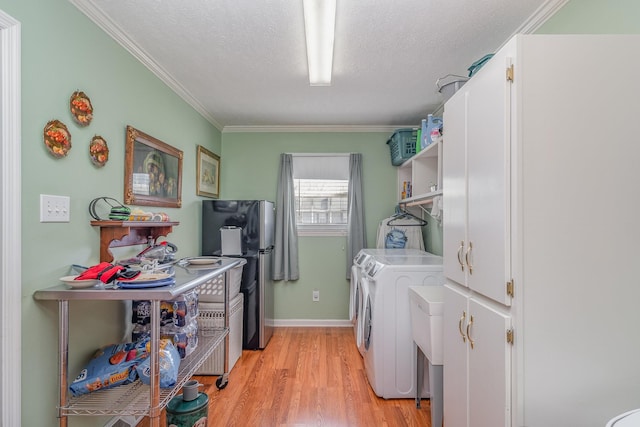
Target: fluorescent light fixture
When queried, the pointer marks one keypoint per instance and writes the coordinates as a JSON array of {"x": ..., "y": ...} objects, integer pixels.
[{"x": 319, "y": 28}]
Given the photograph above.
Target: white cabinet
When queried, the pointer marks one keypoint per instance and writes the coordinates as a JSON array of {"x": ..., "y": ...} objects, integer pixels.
[
  {"x": 487, "y": 332},
  {"x": 423, "y": 170},
  {"x": 476, "y": 202},
  {"x": 455, "y": 366},
  {"x": 541, "y": 184},
  {"x": 477, "y": 248},
  {"x": 454, "y": 199},
  {"x": 477, "y": 364}
]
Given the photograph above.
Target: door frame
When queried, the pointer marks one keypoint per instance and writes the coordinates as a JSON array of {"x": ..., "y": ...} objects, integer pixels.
[{"x": 10, "y": 221}]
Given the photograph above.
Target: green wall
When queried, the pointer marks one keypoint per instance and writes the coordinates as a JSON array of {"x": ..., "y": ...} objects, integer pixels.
[
  {"x": 62, "y": 51},
  {"x": 249, "y": 169},
  {"x": 595, "y": 17}
]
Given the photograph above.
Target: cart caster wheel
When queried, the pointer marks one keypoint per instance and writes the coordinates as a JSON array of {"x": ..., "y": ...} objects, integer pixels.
[{"x": 221, "y": 383}]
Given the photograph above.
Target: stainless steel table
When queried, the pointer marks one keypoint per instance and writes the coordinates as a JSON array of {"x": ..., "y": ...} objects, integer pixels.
[{"x": 135, "y": 398}]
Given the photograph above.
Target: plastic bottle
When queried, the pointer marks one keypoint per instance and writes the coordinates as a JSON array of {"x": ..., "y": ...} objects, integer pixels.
[
  {"x": 432, "y": 130},
  {"x": 423, "y": 134}
]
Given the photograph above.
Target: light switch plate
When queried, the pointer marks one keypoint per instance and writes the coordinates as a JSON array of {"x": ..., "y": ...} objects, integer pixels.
[{"x": 54, "y": 208}]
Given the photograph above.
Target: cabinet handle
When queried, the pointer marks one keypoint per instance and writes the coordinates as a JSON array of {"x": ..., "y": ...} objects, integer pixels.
[
  {"x": 466, "y": 258},
  {"x": 460, "y": 248},
  {"x": 469, "y": 331},
  {"x": 460, "y": 322}
]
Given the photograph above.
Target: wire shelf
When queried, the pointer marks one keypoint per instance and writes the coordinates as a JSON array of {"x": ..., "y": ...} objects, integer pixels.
[{"x": 134, "y": 398}]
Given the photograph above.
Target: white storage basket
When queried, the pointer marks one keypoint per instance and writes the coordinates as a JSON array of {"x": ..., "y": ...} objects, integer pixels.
[
  {"x": 213, "y": 289},
  {"x": 449, "y": 84},
  {"x": 211, "y": 315}
]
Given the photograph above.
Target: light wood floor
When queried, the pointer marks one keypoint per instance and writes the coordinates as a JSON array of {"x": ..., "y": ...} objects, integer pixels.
[{"x": 305, "y": 377}]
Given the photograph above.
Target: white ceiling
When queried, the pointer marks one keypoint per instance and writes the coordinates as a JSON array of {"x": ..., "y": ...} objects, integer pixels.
[{"x": 242, "y": 62}]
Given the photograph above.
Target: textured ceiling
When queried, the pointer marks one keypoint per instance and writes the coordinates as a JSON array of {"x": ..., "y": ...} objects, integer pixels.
[{"x": 243, "y": 63}]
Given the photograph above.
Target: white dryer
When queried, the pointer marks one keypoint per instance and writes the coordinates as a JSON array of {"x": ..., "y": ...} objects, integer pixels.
[
  {"x": 389, "y": 354},
  {"x": 360, "y": 263}
]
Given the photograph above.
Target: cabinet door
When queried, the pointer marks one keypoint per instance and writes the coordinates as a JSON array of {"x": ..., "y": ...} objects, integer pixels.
[
  {"x": 454, "y": 195},
  {"x": 455, "y": 371},
  {"x": 488, "y": 176},
  {"x": 489, "y": 366}
]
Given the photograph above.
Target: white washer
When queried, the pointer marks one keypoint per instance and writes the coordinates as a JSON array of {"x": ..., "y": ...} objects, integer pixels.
[
  {"x": 389, "y": 354},
  {"x": 360, "y": 263}
]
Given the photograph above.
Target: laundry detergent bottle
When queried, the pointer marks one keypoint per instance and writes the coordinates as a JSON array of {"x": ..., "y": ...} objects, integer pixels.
[{"x": 430, "y": 130}]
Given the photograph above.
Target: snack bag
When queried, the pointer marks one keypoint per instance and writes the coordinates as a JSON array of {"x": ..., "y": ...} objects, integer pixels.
[
  {"x": 169, "y": 363},
  {"x": 110, "y": 366}
]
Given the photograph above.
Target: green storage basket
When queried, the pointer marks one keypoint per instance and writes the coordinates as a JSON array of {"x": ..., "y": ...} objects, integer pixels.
[{"x": 402, "y": 145}]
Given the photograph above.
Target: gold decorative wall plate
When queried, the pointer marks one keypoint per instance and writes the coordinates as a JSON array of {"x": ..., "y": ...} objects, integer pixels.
[
  {"x": 81, "y": 108},
  {"x": 98, "y": 151},
  {"x": 57, "y": 138}
]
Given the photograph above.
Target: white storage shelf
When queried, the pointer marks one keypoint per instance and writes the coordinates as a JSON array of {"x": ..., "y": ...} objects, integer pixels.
[
  {"x": 422, "y": 170},
  {"x": 212, "y": 316}
]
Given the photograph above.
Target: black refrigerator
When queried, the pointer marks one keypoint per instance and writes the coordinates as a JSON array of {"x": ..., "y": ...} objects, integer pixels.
[{"x": 252, "y": 223}]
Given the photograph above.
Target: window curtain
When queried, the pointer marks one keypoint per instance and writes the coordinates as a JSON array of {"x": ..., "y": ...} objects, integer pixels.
[
  {"x": 285, "y": 251},
  {"x": 356, "y": 233}
]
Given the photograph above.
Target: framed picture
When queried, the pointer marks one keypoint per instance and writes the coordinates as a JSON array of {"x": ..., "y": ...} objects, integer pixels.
[
  {"x": 152, "y": 172},
  {"x": 208, "y": 174}
]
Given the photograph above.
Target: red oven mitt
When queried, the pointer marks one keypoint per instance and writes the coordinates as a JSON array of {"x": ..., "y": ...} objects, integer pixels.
[{"x": 106, "y": 272}]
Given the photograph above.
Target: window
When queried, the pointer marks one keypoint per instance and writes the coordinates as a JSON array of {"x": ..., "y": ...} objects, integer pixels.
[{"x": 321, "y": 185}]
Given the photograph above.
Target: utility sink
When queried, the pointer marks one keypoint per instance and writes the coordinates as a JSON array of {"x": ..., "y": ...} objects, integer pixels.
[{"x": 427, "y": 307}]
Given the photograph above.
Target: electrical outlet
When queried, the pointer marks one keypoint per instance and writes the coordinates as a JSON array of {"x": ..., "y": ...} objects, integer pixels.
[
  {"x": 54, "y": 208},
  {"x": 316, "y": 295}
]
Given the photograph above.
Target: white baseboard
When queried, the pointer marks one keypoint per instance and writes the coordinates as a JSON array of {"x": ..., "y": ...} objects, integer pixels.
[{"x": 312, "y": 323}]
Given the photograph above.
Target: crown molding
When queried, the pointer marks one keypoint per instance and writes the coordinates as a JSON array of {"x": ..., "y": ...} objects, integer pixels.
[
  {"x": 540, "y": 16},
  {"x": 96, "y": 15},
  {"x": 313, "y": 128}
]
